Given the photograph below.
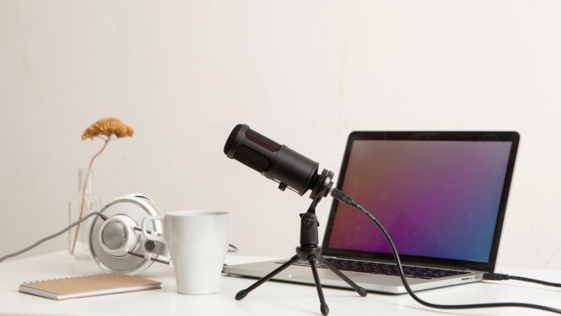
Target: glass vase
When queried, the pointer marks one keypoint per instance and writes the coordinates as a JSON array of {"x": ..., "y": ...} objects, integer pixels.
[{"x": 82, "y": 203}]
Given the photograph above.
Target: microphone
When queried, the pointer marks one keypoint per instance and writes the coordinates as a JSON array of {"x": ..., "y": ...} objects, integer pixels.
[
  {"x": 300, "y": 174},
  {"x": 277, "y": 162}
]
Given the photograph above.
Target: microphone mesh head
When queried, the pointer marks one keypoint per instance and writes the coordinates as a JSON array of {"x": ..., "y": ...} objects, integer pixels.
[
  {"x": 262, "y": 141},
  {"x": 246, "y": 152},
  {"x": 231, "y": 138},
  {"x": 252, "y": 159}
]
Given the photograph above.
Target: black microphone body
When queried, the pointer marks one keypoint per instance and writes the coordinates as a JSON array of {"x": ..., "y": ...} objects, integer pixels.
[{"x": 274, "y": 161}]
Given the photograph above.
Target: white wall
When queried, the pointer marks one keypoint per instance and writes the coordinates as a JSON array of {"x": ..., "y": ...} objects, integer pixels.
[{"x": 304, "y": 73}]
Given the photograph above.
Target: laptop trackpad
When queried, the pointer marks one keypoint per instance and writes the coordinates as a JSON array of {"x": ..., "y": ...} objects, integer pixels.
[{"x": 324, "y": 274}]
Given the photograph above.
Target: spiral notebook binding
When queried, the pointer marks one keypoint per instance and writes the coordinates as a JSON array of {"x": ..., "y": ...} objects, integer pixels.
[{"x": 66, "y": 278}]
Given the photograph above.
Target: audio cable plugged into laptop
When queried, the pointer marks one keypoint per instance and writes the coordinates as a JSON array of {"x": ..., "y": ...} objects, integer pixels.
[
  {"x": 346, "y": 199},
  {"x": 503, "y": 277}
]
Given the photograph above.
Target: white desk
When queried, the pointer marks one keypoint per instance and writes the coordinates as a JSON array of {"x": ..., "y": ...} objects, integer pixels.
[{"x": 272, "y": 298}]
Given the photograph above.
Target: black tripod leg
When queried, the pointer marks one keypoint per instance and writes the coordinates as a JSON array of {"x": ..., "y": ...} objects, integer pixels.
[
  {"x": 241, "y": 294},
  {"x": 361, "y": 291},
  {"x": 323, "y": 306}
]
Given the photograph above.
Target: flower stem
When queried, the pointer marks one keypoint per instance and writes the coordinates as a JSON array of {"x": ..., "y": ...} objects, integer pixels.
[{"x": 84, "y": 194}]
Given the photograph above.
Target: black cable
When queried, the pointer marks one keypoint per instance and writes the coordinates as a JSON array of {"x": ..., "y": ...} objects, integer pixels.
[
  {"x": 53, "y": 235},
  {"x": 513, "y": 277},
  {"x": 340, "y": 196},
  {"x": 502, "y": 276}
]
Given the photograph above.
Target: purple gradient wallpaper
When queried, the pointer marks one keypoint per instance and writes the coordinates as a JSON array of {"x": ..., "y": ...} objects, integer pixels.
[{"x": 436, "y": 199}]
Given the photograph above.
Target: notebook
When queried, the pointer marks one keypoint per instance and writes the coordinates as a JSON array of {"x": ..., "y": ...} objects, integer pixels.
[
  {"x": 441, "y": 196},
  {"x": 85, "y": 286}
]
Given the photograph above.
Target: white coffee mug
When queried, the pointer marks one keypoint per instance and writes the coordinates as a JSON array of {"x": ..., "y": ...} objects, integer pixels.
[{"x": 198, "y": 243}]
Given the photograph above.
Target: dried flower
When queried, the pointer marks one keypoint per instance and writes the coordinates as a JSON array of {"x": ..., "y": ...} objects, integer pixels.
[{"x": 108, "y": 127}]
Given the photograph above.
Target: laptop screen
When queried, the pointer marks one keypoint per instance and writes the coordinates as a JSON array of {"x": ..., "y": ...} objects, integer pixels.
[{"x": 436, "y": 198}]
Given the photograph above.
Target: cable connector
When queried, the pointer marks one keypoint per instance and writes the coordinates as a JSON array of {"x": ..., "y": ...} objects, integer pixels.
[
  {"x": 495, "y": 276},
  {"x": 342, "y": 197}
]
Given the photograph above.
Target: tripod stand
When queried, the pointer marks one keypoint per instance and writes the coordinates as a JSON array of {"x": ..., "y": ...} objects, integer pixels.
[{"x": 309, "y": 250}]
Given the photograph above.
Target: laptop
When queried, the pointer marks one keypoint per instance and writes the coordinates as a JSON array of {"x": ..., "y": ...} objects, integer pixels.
[{"x": 441, "y": 196}]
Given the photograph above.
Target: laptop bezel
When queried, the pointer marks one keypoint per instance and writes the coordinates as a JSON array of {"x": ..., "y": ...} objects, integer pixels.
[{"x": 513, "y": 137}]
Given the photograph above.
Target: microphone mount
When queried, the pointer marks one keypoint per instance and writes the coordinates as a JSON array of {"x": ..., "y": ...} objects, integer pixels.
[{"x": 309, "y": 250}]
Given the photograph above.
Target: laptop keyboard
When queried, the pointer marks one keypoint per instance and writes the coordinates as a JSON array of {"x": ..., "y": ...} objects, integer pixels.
[{"x": 384, "y": 268}]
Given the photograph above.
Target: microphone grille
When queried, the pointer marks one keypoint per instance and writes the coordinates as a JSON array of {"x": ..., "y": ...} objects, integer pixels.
[
  {"x": 262, "y": 141},
  {"x": 231, "y": 138},
  {"x": 252, "y": 159}
]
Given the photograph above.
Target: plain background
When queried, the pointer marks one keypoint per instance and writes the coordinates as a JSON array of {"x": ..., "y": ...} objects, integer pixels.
[{"x": 303, "y": 73}]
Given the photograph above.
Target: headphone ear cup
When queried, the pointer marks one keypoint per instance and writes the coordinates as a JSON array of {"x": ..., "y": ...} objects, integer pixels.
[{"x": 136, "y": 207}]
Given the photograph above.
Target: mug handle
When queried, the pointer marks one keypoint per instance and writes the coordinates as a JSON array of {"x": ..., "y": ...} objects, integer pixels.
[{"x": 149, "y": 236}]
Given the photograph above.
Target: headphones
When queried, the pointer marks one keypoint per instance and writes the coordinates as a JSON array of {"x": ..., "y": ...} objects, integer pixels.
[{"x": 117, "y": 245}]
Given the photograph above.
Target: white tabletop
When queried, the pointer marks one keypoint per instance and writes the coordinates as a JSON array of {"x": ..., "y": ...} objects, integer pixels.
[{"x": 272, "y": 298}]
